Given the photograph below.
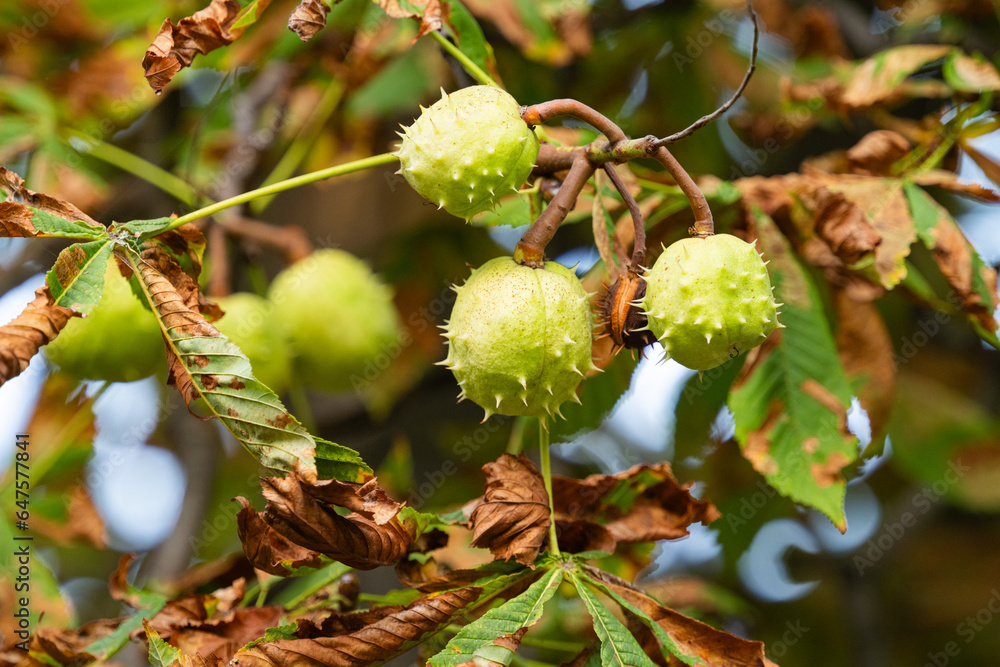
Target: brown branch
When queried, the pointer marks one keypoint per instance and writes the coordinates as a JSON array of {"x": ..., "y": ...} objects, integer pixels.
[
  {"x": 705, "y": 120},
  {"x": 537, "y": 114},
  {"x": 292, "y": 240},
  {"x": 639, "y": 245},
  {"x": 531, "y": 248},
  {"x": 704, "y": 225}
]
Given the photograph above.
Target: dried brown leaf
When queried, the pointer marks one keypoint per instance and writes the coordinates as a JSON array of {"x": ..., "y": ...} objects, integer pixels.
[
  {"x": 17, "y": 195},
  {"x": 82, "y": 520},
  {"x": 431, "y": 16},
  {"x": 37, "y": 325},
  {"x": 308, "y": 18},
  {"x": 266, "y": 548},
  {"x": 220, "y": 635},
  {"x": 985, "y": 162},
  {"x": 949, "y": 181},
  {"x": 844, "y": 227},
  {"x": 876, "y": 152},
  {"x": 175, "y": 47},
  {"x": 513, "y": 519},
  {"x": 866, "y": 352},
  {"x": 68, "y": 646},
  {"x": 305, "y": 515},
  {"x": 375, "y": 642},
  {"x": 658, "y": 507},
  {"x": 714, "y": 647}
]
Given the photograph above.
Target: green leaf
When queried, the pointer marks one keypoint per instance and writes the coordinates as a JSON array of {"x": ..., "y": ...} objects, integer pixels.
[
  {"x": 49, "y": 225},
  {"x": 206, "y": 365},
  {"x": 76, "y": 280},
  {"x": 249, "y": 15},
  {"x": 618, "y": 646},
  {"x": 667, "y": 642},
  {"x": 140, "y": 230},
  {"x": 790, "y": 404},
  {"x": 107, "y": 646},
  {"x": 522, "y": 611},
  {"x": 469, "y": 36},
  {"x": 161, "y": 654}
]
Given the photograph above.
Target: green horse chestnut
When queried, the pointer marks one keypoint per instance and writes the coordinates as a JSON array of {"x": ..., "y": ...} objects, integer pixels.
[
  {"x": 467, "y": 150},
  {"x": 519, "y": 339},
  {"x": 708, "y": 299},
  {"x": 119, "y": 341},
  {"x": 337, "y": 317},
  {"x": 249, "y": 323}
]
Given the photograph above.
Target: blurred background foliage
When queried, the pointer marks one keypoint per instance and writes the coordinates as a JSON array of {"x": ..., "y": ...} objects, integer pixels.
[{"x": 920, "y": 564}]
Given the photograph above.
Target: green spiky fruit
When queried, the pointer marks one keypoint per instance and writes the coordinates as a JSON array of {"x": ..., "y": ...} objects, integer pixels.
[
  {"x": 119, "y": 341},
  {"x": 249, "y": 322},
  {"x": 467, "y": 150},
  {"x": 519, "y": 339},
  {"x": 709, "y": 299},
  {"x": 338, "y": 319}
]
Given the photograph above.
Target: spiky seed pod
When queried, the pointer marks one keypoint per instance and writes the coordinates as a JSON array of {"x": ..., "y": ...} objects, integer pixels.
[
  {"x": 119, "y": 341},
  {"x": 337, "y": 318},
  {"x": 467, "y": 150},
  {"x": 519, "y": 339},
  {"x": 709, "y": 299}
]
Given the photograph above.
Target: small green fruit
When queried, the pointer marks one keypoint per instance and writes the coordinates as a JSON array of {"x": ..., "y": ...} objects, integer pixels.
[
  {"x": 119, "y": 341},
  {"x": 467, "y": 150},
  {"x": 338, "y": 319},
  {"x": 519, "y": 339},
  {"x": 709, "y": 299},
  {"x": 249, "y": 323}
]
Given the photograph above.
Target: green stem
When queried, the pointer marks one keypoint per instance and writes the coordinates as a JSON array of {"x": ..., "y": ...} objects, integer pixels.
[
  {"x": 543, "y": 447},
  {"x": 281, "y": 186},
  {"x": 516, "y": 442},
  {"x": 472, "y": 68},
  {"x": 553, "y": 644},
  {"x": 135, "y": 165},
  {"x": 303, "y": 143}
]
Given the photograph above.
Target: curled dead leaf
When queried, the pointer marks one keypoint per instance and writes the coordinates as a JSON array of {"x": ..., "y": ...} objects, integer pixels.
[
  {"x": 512, "y": 520},
  {"x": 308, "y": 18},
  {"x": 175, "y": 47},
  {"x": 305, "y": 515},
  {"x": 876, "y": 152},
  {"x": 373, "y": 642},
  {"x": 37, "y": 325}
]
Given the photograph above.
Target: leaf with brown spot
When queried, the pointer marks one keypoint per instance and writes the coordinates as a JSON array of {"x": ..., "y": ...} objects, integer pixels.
[
  {"x": 866, "y": 351},
  {"x": 790, "y": 399},
  {"x": 372, "y": 535},
  {"x": 25, "y": 213},
  {"x": 512, "y": 520},
  {"x": 642, "y": 504},
  {"x": 683, "y": 637},
  {"x": 973, "y": 283},
  {"x": 970, "y": 74},
  {"x": 879, "y": 79},
  {"x": 374, "y": 643},
  {"x": 308, "y": 18},
  {"x": 37, "y": 325},
  {"x": 175, "y": 47},
  {"x": 204, "y": 364}
]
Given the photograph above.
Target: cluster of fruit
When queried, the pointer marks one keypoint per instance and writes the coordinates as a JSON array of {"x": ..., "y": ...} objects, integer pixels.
[
  {"x": 520, "y": 338},
  {"x": 299, "y": 332}
]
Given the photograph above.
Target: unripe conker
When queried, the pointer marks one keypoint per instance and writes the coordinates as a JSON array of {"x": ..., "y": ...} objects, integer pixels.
[
  {"x": 119, "y": 341},
  {"x": 519, "y": 339},
  {"x": 337, "y": 317},
  {"x": 708, "y": 299},
  {"x": 467, "y": 150},
  {"x": 249, "y": 323}
]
